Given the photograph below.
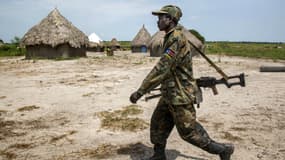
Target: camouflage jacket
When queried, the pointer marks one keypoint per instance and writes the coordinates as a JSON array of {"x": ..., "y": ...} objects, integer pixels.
[{"x": 173, "y": 71}]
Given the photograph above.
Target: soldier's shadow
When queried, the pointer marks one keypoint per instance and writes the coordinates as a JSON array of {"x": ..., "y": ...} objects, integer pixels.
[{"x": 140, "y": 151}]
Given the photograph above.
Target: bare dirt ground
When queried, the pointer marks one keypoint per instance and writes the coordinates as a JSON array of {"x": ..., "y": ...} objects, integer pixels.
[{"x": 80, "y": 109}]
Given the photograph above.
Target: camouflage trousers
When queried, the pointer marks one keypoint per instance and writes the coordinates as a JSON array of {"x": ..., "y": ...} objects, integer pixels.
[{"x": 166, "y": 116}]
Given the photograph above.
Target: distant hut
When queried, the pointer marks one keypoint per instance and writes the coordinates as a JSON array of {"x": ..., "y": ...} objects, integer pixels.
[
  {"x": 114, "y": 44},
  {"x": 95, "y": 47},
  {"x": 55, "y": 37},
  {"x": 139, "y": 43},
  {"x": 156, "y": 42},
  {"x": 95, "y": 43}
]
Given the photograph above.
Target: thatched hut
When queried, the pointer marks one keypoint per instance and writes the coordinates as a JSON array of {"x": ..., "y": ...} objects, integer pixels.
[
  {"x": 139, "y": 43},
  {"x": 156, "y": 42},
  {"x": 95, "y": 47},
  {"x": 114, "y": 44},
  {"x": 55, "y": 37}
]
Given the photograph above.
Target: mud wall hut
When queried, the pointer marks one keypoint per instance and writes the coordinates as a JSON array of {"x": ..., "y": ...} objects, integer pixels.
[
  {"x": 141, "y": 40},
  {"x": 156, "y": 42},
  {"x": 55, "y": 37},
  {"x": 114, "y": 45}
]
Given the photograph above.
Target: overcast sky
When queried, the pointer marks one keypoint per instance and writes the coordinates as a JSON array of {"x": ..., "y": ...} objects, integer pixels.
[{"x": 216, "y": 20}]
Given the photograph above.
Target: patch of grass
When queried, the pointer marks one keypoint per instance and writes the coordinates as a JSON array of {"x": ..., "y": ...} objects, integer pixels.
[
  {"x": 2, "y": 112},
  {"x": 88, "y": 94},
  {"x": 247, "y": 49},
  {"x": 21, "y": 146},
  {"x": 7, "y": 155},
  {"x": 120, "y": 120},
  {"x": 137, "y": 148},
  {"x": 218, "y": 125},
  {"x": 57, "y": 138},
  {"x": 125, "y": 124},
  {"x": 231, "y": 137},
  {"x": 37, "y": 124},
  {"x": 3, "y": 97},
  {"x": 27, "y": 108},
  {"x": 239, "y": 129},
  {"x": 101, "y": 152},
  {"x": 138, "y": 63},
  {"x": 7, "y": 127}
]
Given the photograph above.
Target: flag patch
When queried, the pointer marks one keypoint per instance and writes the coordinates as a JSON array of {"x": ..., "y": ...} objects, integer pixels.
[{"x": 169, "y": 52}]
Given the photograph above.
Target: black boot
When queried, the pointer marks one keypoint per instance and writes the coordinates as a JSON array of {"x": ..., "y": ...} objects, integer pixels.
[
  {"x": 226, "y": 154},
  {"x": 214, "y": 147},
  {"x": 223, "y": 150},
  {"x": 159, "y": 152}
]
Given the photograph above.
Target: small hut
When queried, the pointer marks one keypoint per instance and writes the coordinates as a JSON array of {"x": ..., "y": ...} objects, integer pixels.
[
  {"x": 114, "y": 45},
  {"x": 139, "y": 43},
  {"x": 95, "y": 43},
  {"x": 55, "y": 37},
  {"x": 156, "y": 42}
]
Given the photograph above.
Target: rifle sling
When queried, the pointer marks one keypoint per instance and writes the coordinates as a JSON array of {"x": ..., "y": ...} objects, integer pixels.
[{"x": 210, "y": 62}]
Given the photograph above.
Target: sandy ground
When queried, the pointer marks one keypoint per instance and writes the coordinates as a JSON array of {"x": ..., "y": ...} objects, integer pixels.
[{"x": 53, "y": 109}]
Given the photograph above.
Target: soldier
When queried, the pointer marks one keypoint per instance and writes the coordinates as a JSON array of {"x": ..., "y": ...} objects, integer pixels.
[{"x": 179, "y": 89}]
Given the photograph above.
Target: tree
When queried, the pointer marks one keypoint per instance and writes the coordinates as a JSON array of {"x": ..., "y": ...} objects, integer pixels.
[
  {"x": 198, "y": 35},
  {"x": 16, "y": 40}
]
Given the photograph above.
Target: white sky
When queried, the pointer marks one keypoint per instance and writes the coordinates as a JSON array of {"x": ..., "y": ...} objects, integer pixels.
[{"x": 216, "y": 20}]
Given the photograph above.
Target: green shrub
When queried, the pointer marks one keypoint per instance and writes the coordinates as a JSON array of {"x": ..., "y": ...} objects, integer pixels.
[{"x": 11, "y": 50}]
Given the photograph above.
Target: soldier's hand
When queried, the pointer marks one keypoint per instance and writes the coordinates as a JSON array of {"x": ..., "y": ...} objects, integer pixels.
[{"x": 135, "y": 97}]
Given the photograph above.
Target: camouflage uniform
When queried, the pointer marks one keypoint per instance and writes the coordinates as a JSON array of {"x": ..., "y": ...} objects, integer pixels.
[
  {"x": 178, "y": 88},
  {"x": 179, "y": 93}
]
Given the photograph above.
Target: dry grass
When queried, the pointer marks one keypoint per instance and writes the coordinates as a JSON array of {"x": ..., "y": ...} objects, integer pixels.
[
  {"x": 88, "y": 94},
  {"x": 7, "y": 155},
  {"x": 121, "y": 120},
  {"x": 2, "y": 112},
  {"x": 7, "y": 127},
  {"x": 239, "y": 129},
  {"x": 57, "y": 138},
  {"x": 21, "y": 146},
  {"x": 27, "y": 108},
  {"x": 102, "y": 151},
  {"x": 231, "y": 137},
  {"x": 3, "y": 97},
  {"x": 137, "y": 148}
]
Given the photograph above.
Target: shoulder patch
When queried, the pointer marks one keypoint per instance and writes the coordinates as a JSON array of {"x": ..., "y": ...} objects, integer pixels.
[{"x": 169, "y": 53}]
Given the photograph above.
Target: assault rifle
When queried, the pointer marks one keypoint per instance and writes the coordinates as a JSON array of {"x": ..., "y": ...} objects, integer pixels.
[{"x": 211, "y": 82}]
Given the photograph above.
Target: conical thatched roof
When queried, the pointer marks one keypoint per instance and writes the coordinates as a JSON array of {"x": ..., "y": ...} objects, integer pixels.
[
  {"x": 156, "y": 42},
  {"x": 142, "y": 38},
  {"x": 54, "y": 30},
  {"x": 114, "y": 42}
]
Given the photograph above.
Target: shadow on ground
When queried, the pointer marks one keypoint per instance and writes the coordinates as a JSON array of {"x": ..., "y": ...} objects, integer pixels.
[{"x": 140, "y": 151}]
